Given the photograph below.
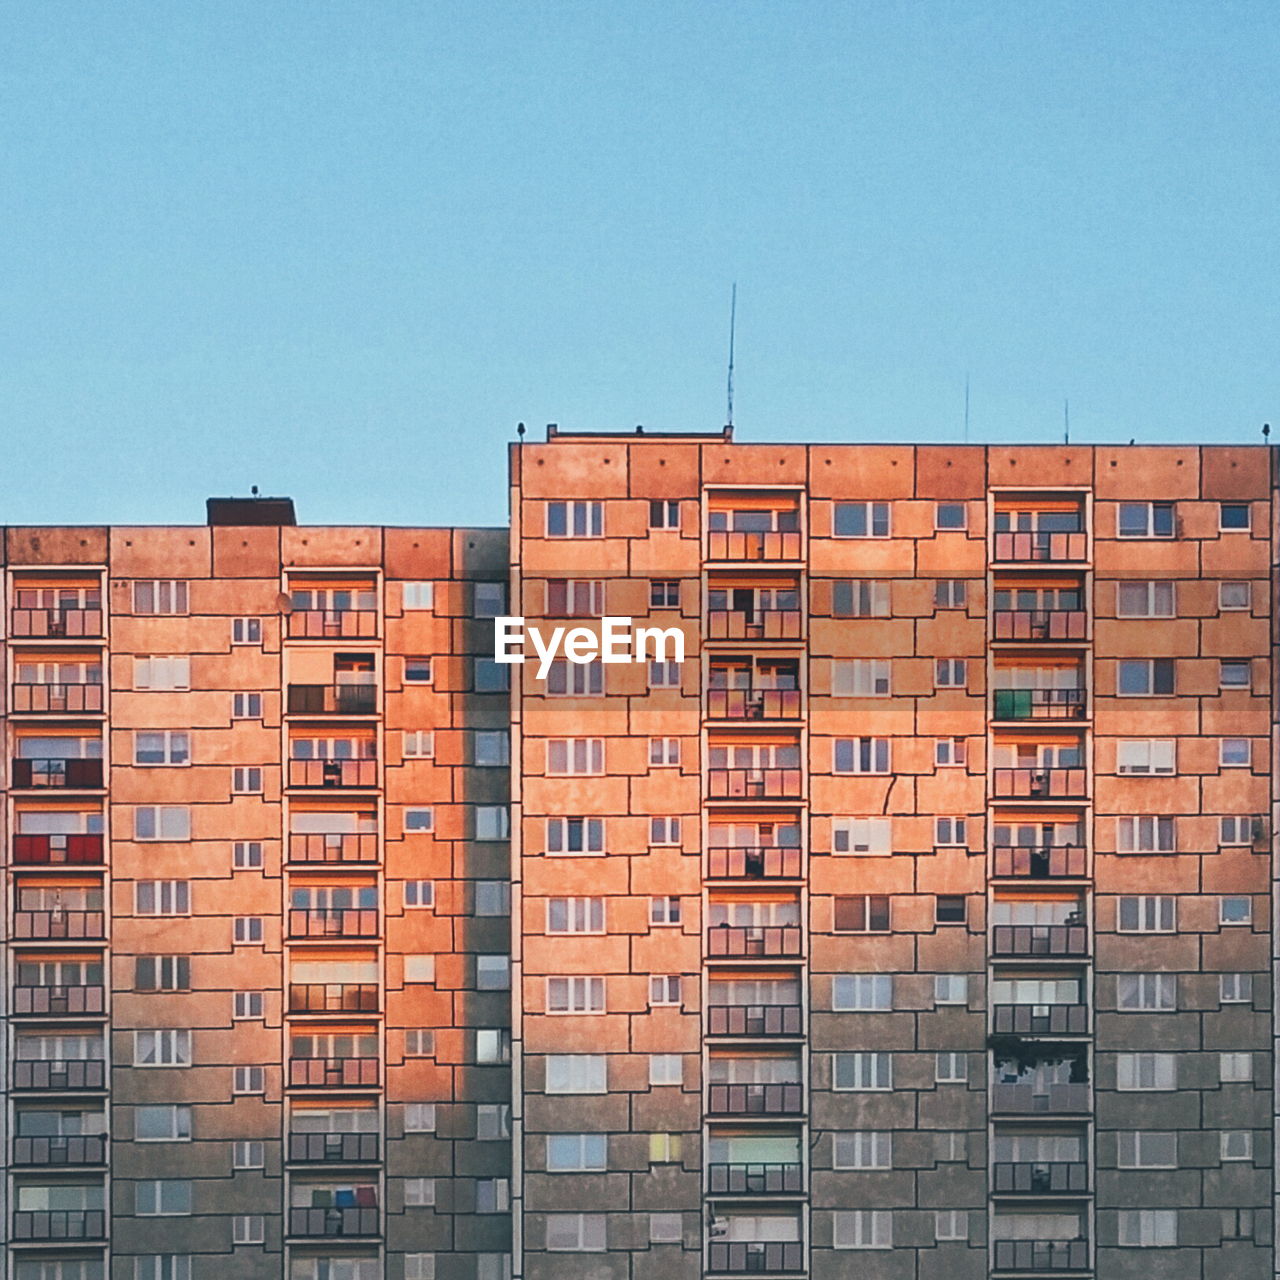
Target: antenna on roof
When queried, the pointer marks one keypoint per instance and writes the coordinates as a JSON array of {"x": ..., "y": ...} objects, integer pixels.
[
  {"x": 733, "y": 316},
  {"x": 253, "y": 489},
  {"x": 520, "y": 430},
  {"x": 1266, "y": 432},
  {"x": 1066, "y": 421},
  {"x": 966, "y": 406}
]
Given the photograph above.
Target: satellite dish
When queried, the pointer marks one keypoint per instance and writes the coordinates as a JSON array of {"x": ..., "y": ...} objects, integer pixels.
[{"x": 284, "y": 602}]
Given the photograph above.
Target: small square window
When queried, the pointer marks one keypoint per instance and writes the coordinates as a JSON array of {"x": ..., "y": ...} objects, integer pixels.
[
  {"x": 950, "y": 515},
  {"x": 419, "y": 1192},
  {"x": 247, "y": 1005},
  {"x": 419, "y": 1042},
  {"x": 861, "y": 520},
  {"x": 417, "y": 670},
  {"x": 950, "y": 752},
  {"x": 950, "y": 988},
  {"x": 950, "y": 908},
  {"x": 246, "y": 780},
  {"x": 664, "y": 752},
  {"x": 418, "y": 744},
  {"x": 489, "y": 599},
  {"x": 1235, "y": 595},
  {"x": 1235, "y": 673},
  {"x": 420, "y": 1117},
  {"x": 951, "y": 1068},
  {"x": 1236, "y": 910},
  {"x": 664, "y": 831},
  {"x": 949, "y": 593},
  {"x": 491, "y": 676},
  {"x": 249, "y": 1080},
  {"x": 1235, "y": 753},
  {"x": 246, "y": 630},
  {"x": 1237, "y": 1144},
  {"x": 492, "y": 822},
  {"x": 248, "y": 1155},
  {"x": 249, "y": 930},
  {"x": 246, "y": 706},
  {"x": 666, "y": 1068},
  {"x": 248, "y": 1228},
  {"x": 1235, "y": 988},
  {"x": 418, "y": 595},
  {"x": 419, "y": 968},
  {"x": 949, "y": 673},
  {"x": 246, "y": 855},
  {"x": 419, "y": 893},
  {"x": 419, "y": 820},
  {"x": 664, "y": 675},
  {"x": 664, "y": 910},
  {"x": 666, "y": 1228},
  {"x": 1234, "y": 517},
  {"x": 948, "y": 832},
  {"x": 664, "y": 989},
  {"x": 664, "y": 513}
]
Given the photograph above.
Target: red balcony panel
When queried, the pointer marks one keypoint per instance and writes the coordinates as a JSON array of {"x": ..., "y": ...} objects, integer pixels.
[
  {"x": 1041, "y": 548},
  {"x": 57, "y": 699},
  {"x": 1040, "y": 784},
  {"x": 752, "y": 941},
  {"x": 753, "y": 704},
  {"x": 42, "y": 850},
  {"x": 333, "y": 1148},
  {"x": 333, "y": 624},
  {"x": 749, "y": 784},
  {"x": 1049, "y": 862},
  {"x": 784, "y": 545},
  {"x": 72, "y": 1076},
  {"x": 752, "y": 1020},
  {"x": 335, "y": 922},
  {"x": 755, "y": 1179},
  {"x": 1039, "y": 624},
  {"x": 60, "y": 1152},
  {"x": 333, "y": 997},
  {"x": 319, "y": 848},
  {"x": 1035, "y": 1099},
  {"x": 767, "y": 862},
  {"x": 1039, "y": 940},
  {"x": 55, "y": 624},
  {"x": 333, "y": 1073},
  {"x": 59, "y": 1001},
  {"x": 358, "y": 774},
  {"x": 767, "y": 624},
  {"x": 334, "y": 1222},
  {"x": 70, "y": 775},
  {"x": 52, "y": 926},
  {"x": 1040, "y": 1020},
  {"x": 333, "y": 699},
  {"x": 755, "y": 1099}
]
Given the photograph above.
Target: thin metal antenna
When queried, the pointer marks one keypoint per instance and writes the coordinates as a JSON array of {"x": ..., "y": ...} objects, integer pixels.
[
  {"x": 733, "y": 316},
  {"x": 966, "y": 406},
  {"x": 1066, "y": 421}
]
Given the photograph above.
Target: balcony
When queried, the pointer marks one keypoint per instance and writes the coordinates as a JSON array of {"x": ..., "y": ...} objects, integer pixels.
[
  {"x": 333, "y": 1073},
  {"x": 66, "y": 699},
  {"x": 358, "y": 774},
  {"x": 333, "y": 922},
  {"x": 753, "y": 1020},
  {"x": 75, "y": 1075},
  {"x": 753, "y": 704},
  {"x": 745, "y": 862},
  {"x": 1040, "y": 940},
  {"x": 333, "y": 624},
  {"x": 755, "y": 1099},
  {"x": 1045, "y": 862},
  {"x": 67, "y": 775},
  {"x": 59, "y": 1001},
  {"x": 1039, "y": 704},
  {"x": 1041, "y": 1255},
  {"x": 59, "y": 926},
  {"x": 727, "y": 941},
  {"x": 55, "y": 624},
  {"x": 332, "y": 847},
  {"x": 333, "y": 997},
  {"x": 753, "y": 1257},
  {"x": 357, "y": 1221},
  {"x": 1040, "y": 1177},
  {"x": 59, "y": 1152},
  {"x": 1040, "y": 548},
  {"x": 758, "y": 624},
  {"x": 1036, "y": 1099},
  {"x": 754, "y": 784},
  {"x": 333, "y": 700},
  {"x": 333, "y": 1148},
  {"x": 724, "y": 545},
  {"x": 1040, "y": 1019},
  {"x": 1039, "y": 784},
  {"x": 59, "y": 1224},
  {"x": 46, "y": 850},
  {"x": 1039, "y": 624},
  {"x": 755, "y": 1179}
]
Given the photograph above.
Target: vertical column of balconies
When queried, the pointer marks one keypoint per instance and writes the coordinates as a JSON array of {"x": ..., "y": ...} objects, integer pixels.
[
  {"x": 1040, "y": 901},
  {"x": 755, "y": 1068},
  {"x": 334, "y": 982},
  {"x": 57, "y": 928}
]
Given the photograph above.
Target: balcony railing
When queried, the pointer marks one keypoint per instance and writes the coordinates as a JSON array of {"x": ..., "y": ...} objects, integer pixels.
[
  {"x": 333, "y": 699},
  {"x": 1039, "y": 784},
  {"x": 1041, "y": 1255},
  {"x": 42, "y": 772},
  {"x": 58, "y": 926},
  {"x": 74, "y": 1075},
  {"x": 753, "y": 704},
  {"x": 333, "y": 997},
  {"x": 59, "y": 1224},
  {"x": 1039, "y": 624},
  {"x": 1039, "y": 704},
  {"x": 334, "y": 922},
  {"x": 754, "y": 1020},
  {"x": 333, "y": 1148},
  {"x": 75, "y": 1149},
  {"x": 755, "y": 1179},
  {"x": 331, "y": 848},
  {"x": 762, "y": 624},
  {"x": 1041, "y": 862},
  {"x": 755, "y": 1099},
  {"x": 761, "y": 862},
  {"x": 333, "y": 773},
  {"x": 1040, "y": 1019},
  {"x": 333, "y": 624},
  {"x": 1040, "y": 940},
  {"x": 1036, "y": 1099},
  {"x": 55, "y": 624},
  {"x": 64, "y": 699},
  {"x": 44, "y": 850},
  {"x": 1041, "y": 1177},
  {"x": 751, "y": 1257},
  {"x": 334, "y": 1222},
  {"x": 782, "y": 545},
  {"x": 1040, "y": 548},
  {"x": 333, "y": 1073},
  {"x": 57, "y": 1001},
  {"x": 751, "y": 941},
  {"x": 751, "y": 784}
]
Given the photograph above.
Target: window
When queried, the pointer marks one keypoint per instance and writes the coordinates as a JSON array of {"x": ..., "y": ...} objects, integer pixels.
[
  {"x": 420, "y": 1117},
  {"x": 419, "y": 1266},
  {"x": 575, "y": 995},
  {"x": 1235, "y": 753},
  {"x": 859, "y": 598},
  {"x": 419, "y": 820},
  {"x": 1145, "y": 520},
  {"x": 666, "y": 1228},
  {"x": 248, "y": 1228},
  {"x": 949, "y": 673},
  {"x": 576, "y": 1073},
  {"x": 950, "y": 1224},
  {"x": 664, "y": 989},
  {"x": 247, "y": 1004},
  {"x": 862, "y": 913},
  {"x": 1235, "y": 910},
  {"x": 1233, "y": 517},
  {"x": 1237, "y": 1224},
  {"x": 492, "y": 822},
  {"x": 949, "y": 593},
  {"x": 153, "y": 1266},
  {"x": 951, "y": 1068},
  {"x": 948, "y": 832},
  {"x": 161, "y": 673},
  {"x": 493, "y": 1121},
  {"x": 418, "y": 595},
  {"x": 575, "y": 598},
  {"x": 493, "y": 1266},
  {"x": 664, "y": 752},
  {"x": 246, "y": 780},
  {"x": 162, "y": 898},
  {"x": 246, "y": 706},
  {"x": 862, "y": 1149},
  {"x": 1240, "y": 829},
  {"x": 950, "y": 988},
  {"x": 576, "y": 1152},
  {"x": 419, "y": 968},
  {"x": 664, "y": 831},
  {"x": 1144, "y": 677},
  {"x": 246, "y": 630},
  {"x": 575, "y": 915},
  {"x": 162, "y": 973},
  {"x": 664, "y": 593},
  {"x": 570, "y": 757},
  {"x": 162, "y": 1124},
  {"x": 575, "y": 836},
  {"x": 162, "y": 822},
  {"x": 248, "y": 930},
  {"x": 1236, "y": 1144},
  {"x": 492, "y": 898},
  {"x": 419, "y": 1042},
  {"x": 862, "y": 755},
  {"x": 418, "y": 744},
  {"x": 950, "y": 752},
  {"x": 1146, "y": 834},
  {"x": 862, "y": 992},
  {"x": 1235, "y": 1068},
  {"x": 664, "y": 675},
  {"x": 861, "y": 677},
  {"x": 862, "y": 1072},
  {"x": 162, "y": 1196},
  {"x": 418, "y": 670},
  {"x": 871, "y": 837},
  {"x": 664, "y": 514},
  {"x": 491, "y": 748},
  {"x": 246, "y": 855},
  {"x": 1142, "y": 1228},
  {"x": 419, "y": 1192},
  {"x": 862, "y": 1229},
  {"x": 950, "y": 515},
  {"x": 575, "y": 520},
  {"x": 1146, "y": 1149},
  {"x": 1235, "y": 595},
  {"x": 664, "y": 910},
  {"x": 419, "y": 893},
  {"x": 489, "y": 599},
  {"x": 1146, "y": 914},
  {"x": 950, "y": 908},
  {"x": 1146, "y": 1071},
  {"x": 567, "y": 679},
  {"x": 164, "y": 597},
  {"x": 951, "y": 1146},
  {"x": 665, "y": 1148},
  {"x": 1145, "y": 755},
  {"x": 1235, "y": 988},
  {"x": 1234, "y": 673},
  {"x": 1147, "y": 992},
  {"x": 861, "y": 520},
  {"x": 576, "y": 1232},
  {"x": 248, "y": 1155},
  {"x": 493, "y": 973},
  {"x": 1144, "y": 600},
  {"x": 666, "y": 1068}
]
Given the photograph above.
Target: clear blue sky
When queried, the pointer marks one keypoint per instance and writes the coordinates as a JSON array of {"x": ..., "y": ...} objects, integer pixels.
[{"x": 339, "y": 250}]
